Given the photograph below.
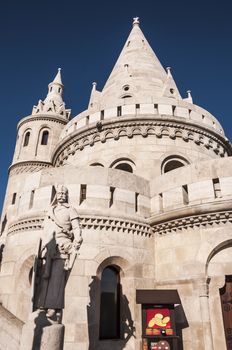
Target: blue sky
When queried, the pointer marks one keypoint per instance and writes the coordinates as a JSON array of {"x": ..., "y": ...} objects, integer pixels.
[{"x": 85, "y": 39}]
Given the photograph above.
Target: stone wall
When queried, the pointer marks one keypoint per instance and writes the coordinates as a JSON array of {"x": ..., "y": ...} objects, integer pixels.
[{"x": 10, "y": 330}]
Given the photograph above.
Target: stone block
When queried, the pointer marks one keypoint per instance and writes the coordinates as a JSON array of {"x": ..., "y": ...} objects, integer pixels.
[
  {"x": 195, "y": 116},
  {"x": 94, "y": 118},
  {"x": 71, "y": 129},
  {"x": 110, "y": 113},
  {"x": 201, "y": 190},
  {"x": 124, "y": 196},
  {"x": 128, "y": 109},
  {"x": 226, "y": 186},
  {"x": 81, "y": 123},
  {"x": 147, "y": 108},
  {"x": 181, "y": 112},
  {"x": 155, "y": 205},
  {"x": 173, "y": 197},
  {"x": 165, "y": 109},
  {"x": 97, "y": 191}
]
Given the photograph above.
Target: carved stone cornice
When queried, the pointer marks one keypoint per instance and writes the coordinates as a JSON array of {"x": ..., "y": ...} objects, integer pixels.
[
  {"x": 87, "y": 222},
  {"x": 27, "y": 167},
  {"x": 42, "y": 117},
  {"x": 213, "y": 219},
  {"x": 206, "y": 220},
  {"x": 145, "y": 126}
]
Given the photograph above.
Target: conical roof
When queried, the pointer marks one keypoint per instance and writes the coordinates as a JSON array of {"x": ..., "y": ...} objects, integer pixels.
[
  {"x": 138, "y": 74},
  {"x": 53, "y": 103},
  {"x": 57, "y": 79}
]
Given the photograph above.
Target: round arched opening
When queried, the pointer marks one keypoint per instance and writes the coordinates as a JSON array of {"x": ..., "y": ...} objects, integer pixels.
[
  {"x": 125, "y": 167},
  {"x": 173, "y": 162},
  {"x": 171, "y": 165},
  {"x": 110, "y": 303}
]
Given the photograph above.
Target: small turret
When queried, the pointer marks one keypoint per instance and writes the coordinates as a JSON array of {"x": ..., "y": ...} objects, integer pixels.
[
  {"x": 39, "y": 133},
  {"x": 53, "y": 103}
]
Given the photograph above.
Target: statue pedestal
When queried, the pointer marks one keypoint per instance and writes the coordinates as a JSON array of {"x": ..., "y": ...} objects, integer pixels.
[{"x": 39, "y": 333}]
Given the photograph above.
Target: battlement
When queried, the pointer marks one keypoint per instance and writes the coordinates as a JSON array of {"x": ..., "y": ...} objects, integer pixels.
[{"x": 163, "y": 107}]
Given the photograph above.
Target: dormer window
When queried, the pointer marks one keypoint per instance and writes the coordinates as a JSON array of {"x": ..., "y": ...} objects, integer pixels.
[{"x": 126, "y": 87}]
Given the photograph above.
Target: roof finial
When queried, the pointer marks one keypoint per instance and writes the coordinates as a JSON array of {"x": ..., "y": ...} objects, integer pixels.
[
  {"x": 136, "y": 20},
  {"x": 169, "y": 71},
  {"x": 189, "y": 97},
  {"x": 57, "y": 78}
]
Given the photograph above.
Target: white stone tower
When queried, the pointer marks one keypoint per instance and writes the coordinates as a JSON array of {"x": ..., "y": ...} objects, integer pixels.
[
  {"x": 150, "y": 175},
  {"x": 37, "y": 137}
]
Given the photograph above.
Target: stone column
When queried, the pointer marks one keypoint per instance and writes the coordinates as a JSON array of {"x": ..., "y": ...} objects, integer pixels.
[
  {"x": 205, "y": 314},
  {"x": 41, "y": 334}
]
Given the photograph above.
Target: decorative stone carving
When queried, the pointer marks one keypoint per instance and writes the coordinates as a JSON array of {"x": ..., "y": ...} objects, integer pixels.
[
  {"x": 88, "y": 221},
  {"x": 144, "y": 127},
  {"x": 27, "y": 167}
]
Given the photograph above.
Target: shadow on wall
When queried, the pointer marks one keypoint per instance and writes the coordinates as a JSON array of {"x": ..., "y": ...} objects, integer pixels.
[
  {"x": 4, "y": 222},
  {"x": 1, "y": 252},
  {"x": 127, "y": 328},
  {"x": 181, "y": 323}
]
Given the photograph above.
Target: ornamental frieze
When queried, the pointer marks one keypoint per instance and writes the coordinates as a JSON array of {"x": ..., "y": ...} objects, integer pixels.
[
  {"x": 78, "y": 140},
  {"x": 88, "y": 222}
]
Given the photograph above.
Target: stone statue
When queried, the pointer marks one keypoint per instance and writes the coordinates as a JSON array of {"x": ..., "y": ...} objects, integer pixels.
[{"x": 58, "y": 249}]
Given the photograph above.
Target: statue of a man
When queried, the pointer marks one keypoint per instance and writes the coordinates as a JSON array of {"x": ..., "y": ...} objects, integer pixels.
[{"x": 60, "y": 243}]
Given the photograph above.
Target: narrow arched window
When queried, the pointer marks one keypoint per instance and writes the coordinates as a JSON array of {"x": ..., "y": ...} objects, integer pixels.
[
  {"x": 110, "y": 304},
  {"x": 173, "y": 162},
  {"x": 124, "y": 164},
  {"x": 44, "y": 138},
  {"x": 125, "y": 167},
  {"x": 26, "y": 139}
]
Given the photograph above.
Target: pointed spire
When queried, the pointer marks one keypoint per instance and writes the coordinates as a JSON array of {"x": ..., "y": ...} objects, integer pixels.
[
  {"x": 169, "y": 72},
  {"x": 53, "y": 103},
  {"x": 170, "y": 89},
  {"x": 57, "y": 79},
  {"x": 94, "y": 97},
  {"x": 137, "y": 68}
]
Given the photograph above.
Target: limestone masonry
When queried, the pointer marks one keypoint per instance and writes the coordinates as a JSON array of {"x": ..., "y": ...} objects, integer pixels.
[{"x": 150, "y": 176}]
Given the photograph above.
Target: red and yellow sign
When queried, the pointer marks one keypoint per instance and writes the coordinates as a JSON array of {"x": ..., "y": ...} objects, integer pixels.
[{"x": 157, "y": 320}]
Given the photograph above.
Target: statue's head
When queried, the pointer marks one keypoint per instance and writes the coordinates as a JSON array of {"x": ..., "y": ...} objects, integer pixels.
[{"x": 61, "y": 194}]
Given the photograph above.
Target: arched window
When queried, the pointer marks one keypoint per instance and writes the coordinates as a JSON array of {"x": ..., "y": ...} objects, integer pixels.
[
  {"x": 44, "y": 138},
  {"x": 173, "y": 162},
  {"x": 96, "y": 164},
  {"x": 124, "y": 164},
  {"x": 125, "y": 167},
  {"x": 110, "y": 304},
  {"x": 26, "y": 139}
]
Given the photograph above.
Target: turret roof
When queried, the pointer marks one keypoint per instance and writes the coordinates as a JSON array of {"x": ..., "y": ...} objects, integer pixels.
[{"x": 138, "y": 73}]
